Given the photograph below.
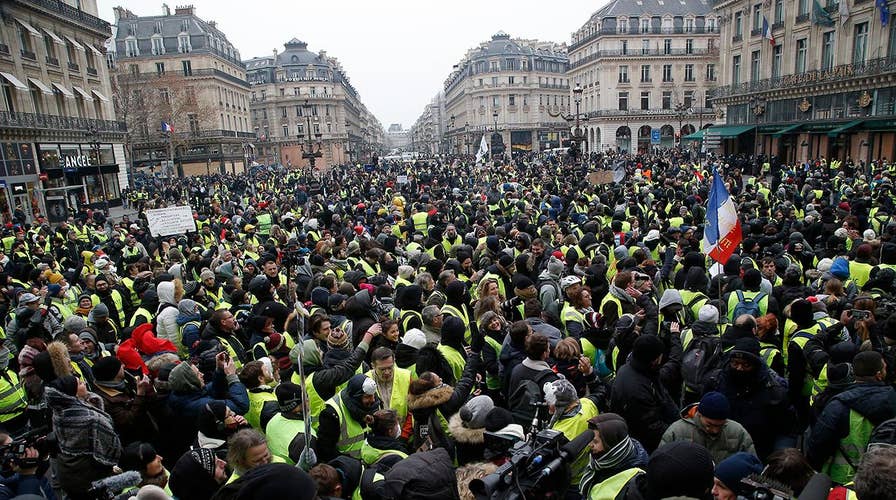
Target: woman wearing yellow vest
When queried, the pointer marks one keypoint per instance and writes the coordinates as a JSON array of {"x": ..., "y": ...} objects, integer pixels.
[{"x": 615, "y": 458}]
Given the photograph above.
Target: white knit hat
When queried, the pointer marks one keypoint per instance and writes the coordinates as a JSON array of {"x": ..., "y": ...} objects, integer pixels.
[
  {"x": 708, "y": 313},
  {"x": 414, "y": 338}
]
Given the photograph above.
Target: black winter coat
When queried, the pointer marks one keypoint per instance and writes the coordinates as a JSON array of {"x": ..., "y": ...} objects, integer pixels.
[{"x": 640, "y": 398}]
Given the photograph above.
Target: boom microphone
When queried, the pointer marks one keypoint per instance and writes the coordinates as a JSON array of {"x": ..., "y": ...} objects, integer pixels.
[
  {"x": 112, "y": 485},
  {"x": 569, "y": 452}
]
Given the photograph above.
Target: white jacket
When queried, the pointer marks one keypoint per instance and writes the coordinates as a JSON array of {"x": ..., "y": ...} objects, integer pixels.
[{"x": 166, "y": 320}]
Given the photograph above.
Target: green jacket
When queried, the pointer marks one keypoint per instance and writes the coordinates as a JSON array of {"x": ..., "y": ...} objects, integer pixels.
[{"x": 732, "y": 439}]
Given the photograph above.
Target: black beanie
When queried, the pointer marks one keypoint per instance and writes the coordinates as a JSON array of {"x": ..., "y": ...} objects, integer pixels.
[
  {"x": 453, "y": 331},
  {"x": 497, "y": 419},
  {"x": 647, "y": 348},
  {"x": 106, "y": 368},
  {"x": 680, "y": 469},
  {"x": 801, "y": 312},
  {"x": 66, "y": 385}
]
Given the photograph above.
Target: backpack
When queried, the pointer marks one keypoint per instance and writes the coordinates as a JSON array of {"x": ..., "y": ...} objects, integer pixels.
[
  {"x": 689, "y": 307},
  {"x": 701, "y": 364},
  {"x": 748, "y": 305},
  {"x": 523, "y": 395}
]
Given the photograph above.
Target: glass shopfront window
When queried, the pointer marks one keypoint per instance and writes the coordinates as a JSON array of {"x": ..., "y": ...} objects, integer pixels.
[
  {"x": 17, "y": 159},
  {"x": 78, "y": 165}
]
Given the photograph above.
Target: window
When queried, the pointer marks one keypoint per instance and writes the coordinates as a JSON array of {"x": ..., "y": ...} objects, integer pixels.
[
  {"x": 667, "y": 99},
  {"x": 738, "y": 24},
  {"x": 667, "y": 72},
  {"x": 757, "y": 17},
  {"x": 623, "y": 101},
  {"x": 158, "y": 46},
  {"x": 801, "y": 52},
  {"x": 891, "y": 46},
  {"x": 158, "y": 27},
  {"x": 688, "y": 25},
  {"x": 510, "y": 64},
  {"x": 667, "y": 46},
  {"x": 735, "y": 70},
  {"x": 160, "y": 68},
  {"x": 493, "y": 66},
  {"x": 645, "y": 100},
  {"x": 494, "y": 81},
  {"x": 860, "y": 42},
  {"x": 689, "y": 72},
  {"x": 511, "y": 100},
  {"x": 183, "y": 44},
  {"x": 645, "y": 73},
  {"x": 190, "y": 94},
  {"x": 163, "y": 94},
  {"x": 688, "y": 98},
  {"x": 779, "y": 11},
  {"x": 193, "y": 122},
  {"x": 645, "y": 47},
  {"x": 285, "y": 130},
  {"x": 49, "y": 44},
  {"x": 623, "y": 47},
  {"x": 283, "y": 113},
  {"x": 510, "y": 80},
  {"x": 496, "y": 101},
  {"x": 187, "y": 67},
  {"x": 623, "y": 74},
  {"x": 802, "y": 7},
  {"x": 777, "y": 58},
  {"x": 645, "y": 25},
  {"x": 827, "y": 50},
  {"x": 711, "y": 25},
  {"x": 689, "y": 46},
  {"x": 754, "y": 66}
]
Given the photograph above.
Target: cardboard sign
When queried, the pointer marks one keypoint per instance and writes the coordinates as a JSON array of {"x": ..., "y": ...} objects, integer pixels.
[
  {"x": 601, "y": 177},
  {"x": 171, "y": 220}
]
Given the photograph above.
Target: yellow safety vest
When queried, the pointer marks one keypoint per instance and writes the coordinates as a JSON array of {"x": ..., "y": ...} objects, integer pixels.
[
  {"x": 401, "y": 383},
  {"x": 351, "y": 433}
]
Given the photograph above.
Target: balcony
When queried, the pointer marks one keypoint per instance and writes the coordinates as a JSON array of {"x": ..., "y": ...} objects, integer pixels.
[
  {"x": 842, "y": 73},
  {"x": 27, "y": 54},
  {"x": 73, "y": 67},
  {"x": 778, "y": 26},
  {"x": 53, "y": 122},
  {"x": 802, "y": 18},
  {"x": 60, "y": 8},
  {"x": 553, "y": 86},
  {"x": 52, "y": 61},
  {"x": 755, "y": 32},
  {"x": 737, "y": 38},
  {"x": 643, "y": 53},
  {"x": 609, "y": 113},
  {"x": 669, "y": 30},
  {"x": 204, "y": 72},
  {"x": 91, "y": 71}
]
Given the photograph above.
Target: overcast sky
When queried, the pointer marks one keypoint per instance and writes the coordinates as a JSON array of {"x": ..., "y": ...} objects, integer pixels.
[{"x": 397, "y": 53}]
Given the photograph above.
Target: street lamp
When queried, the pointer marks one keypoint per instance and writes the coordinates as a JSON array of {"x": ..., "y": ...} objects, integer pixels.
[
  {"x": 310, "y": 154},
  {"x": 467, "y": 139},
  {"x": 578, "y": 135},
  {"x": 757, "y": 106},
  {"x": 93, "y": 135}
]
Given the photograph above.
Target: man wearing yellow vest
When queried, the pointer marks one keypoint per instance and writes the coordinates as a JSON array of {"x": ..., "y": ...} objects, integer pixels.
[
  {"x": 392, "y": 383},
  {"x": 257, "y": 377},
  {"x": 345, "y": 418},
  {"x": 286, "y": 430},
  {"x": 13, "y": 400}
]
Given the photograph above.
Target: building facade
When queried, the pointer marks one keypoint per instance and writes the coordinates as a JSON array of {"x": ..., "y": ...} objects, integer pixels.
[
  {"x": 644, "y": 67},
  {"x": 181, "y": 70},
  {"x": 397, "y": 138},
  {"x": 301, "y": 103},
  {"x": 517, "y": 87},
  {"x": 60, "y": 144},
  {"x": 825, "y": 88},
  {"x": 428, "y": 135}
]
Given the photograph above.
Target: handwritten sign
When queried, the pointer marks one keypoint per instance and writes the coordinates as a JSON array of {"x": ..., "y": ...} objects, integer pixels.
[
  {"x": 171, "y": 220},
  {"x": 402, "y": 179},
  {"x": 601, "y": 177}
]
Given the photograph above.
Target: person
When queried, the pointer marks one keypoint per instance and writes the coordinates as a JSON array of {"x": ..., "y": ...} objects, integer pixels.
[
  {"x": 875, "y": 479},
  {"x": 285, "y": 431},
  {"x": 258, "y": 378},
  {"x": 143, "y": 458},
  {"x": 392, "y": 382},
  {"x": 639, "y": 396},
  {"x": 467, "y": 428},
  {"x": 706, "y": 423},
  {"x": 197, "y": 475},
  {"x": 126, "y": 399},
  {"x": 88, "y": 446},
  {"x": 344, "y": 418},
  {"x": 727, "y": 484},
  {"x": 246, "y": 449},
  {"x": 273, "y": 480},
  {"x": 614, "y": 457},
  {"x": 841, "y": 434},
  {"x": 25, "y": 477},
  {"x": 678, "y": 469},
  {"x": 222, "y": 327}
]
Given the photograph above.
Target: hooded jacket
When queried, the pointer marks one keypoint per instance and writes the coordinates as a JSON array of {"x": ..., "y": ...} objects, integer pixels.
[
  {"x": 732, "y": 439},
  {"x": 166, "y": 319},
  {"x": 188, "y": 396}
]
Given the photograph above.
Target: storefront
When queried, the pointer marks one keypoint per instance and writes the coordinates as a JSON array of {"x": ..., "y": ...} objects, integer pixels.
[
  {"x": 69, "y": 165},
  {"x": 19, "y": 175}
]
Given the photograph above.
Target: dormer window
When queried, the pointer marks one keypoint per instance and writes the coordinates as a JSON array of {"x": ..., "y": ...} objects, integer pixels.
[
  {"x": 158, "y": 45},
  {"x": 183, "y": 44},
  {"x": 158, "y": 28}
]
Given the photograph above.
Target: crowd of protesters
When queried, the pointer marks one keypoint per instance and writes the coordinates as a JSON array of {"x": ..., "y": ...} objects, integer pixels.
[{"x": 341, "y": 334}]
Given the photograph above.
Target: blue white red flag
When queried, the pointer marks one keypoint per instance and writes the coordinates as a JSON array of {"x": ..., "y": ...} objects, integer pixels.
[
  {"x": 722, "y": 234},
  {"x": 167, "y": 127}
]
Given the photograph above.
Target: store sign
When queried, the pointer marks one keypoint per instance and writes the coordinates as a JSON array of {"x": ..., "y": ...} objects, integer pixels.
[{"x": 76, "y": 161}]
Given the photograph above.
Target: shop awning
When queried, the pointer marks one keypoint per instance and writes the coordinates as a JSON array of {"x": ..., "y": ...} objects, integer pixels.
[
  {"x": 28, "y": 27},
  {"x": 100, "y": 96},
  {"x": 787, "y": 130},
  {"x": 41, "y": 85},
  {"x": 74, "y": 43},
  {"x": 843, "y": 128},
  {"x": 85, "y": 94},
  {"x": 14, "y": 81},
  {"x": 879, "y": 125},
  {"x": 64, "y": 91},
  {"x": 729, "y": 132},
  {"x": 54, "y": 36},
  {"x": 696, "y": 136}
]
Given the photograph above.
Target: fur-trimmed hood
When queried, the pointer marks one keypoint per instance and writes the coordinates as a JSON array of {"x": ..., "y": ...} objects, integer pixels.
[
  {"x": 469, "y": 472},
  {"x": 463, "y": 434},
  {"x": 431, "y": 398},
  {"x": 62, "y": 363}
]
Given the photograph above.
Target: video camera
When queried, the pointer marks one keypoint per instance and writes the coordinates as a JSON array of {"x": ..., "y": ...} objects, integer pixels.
[
  {"x": 38, "y": 438},
  {"x": 538, "y": 468}
]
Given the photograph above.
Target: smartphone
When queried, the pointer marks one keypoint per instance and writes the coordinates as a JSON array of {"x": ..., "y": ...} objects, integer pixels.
[
  {"x": 859, "y": 314},
  {"x": 226, "y": 356}
]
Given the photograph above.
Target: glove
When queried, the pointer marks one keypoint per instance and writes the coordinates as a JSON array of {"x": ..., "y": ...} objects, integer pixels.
[
  {"x": 307, "y": 459},
  {"x": 476, "y": 339}
]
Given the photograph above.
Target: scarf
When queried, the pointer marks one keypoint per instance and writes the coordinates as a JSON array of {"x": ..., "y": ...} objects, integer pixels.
[
  {"x": 621, "y": 294},
  {"x": 609, "y": 463},
  {"x": 118, "y": 386},
  {"x": 358, "y": 412},
  {"x": 536, "y": 365}
]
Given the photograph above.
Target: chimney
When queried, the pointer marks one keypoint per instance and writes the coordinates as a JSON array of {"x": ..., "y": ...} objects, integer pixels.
[
  {"x": 165, "y": 10},
  {"x": 323, "y": 55},
  {"x": 183, "y": 10},
  {"x": 122, "y": 13},
  {"x": 213, "y": 24}
]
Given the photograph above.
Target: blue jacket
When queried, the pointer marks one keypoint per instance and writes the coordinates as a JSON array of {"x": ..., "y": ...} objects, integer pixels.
[
  {"x": 17, "y": 485},
  {"x": 875, "y": 401},
  {"x": 227, "y": 389}
]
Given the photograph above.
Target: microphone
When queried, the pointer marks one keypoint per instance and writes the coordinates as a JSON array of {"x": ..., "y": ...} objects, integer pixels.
[
  {"x": 115, "y": 484},
  {"x": 568, "y": 452}
]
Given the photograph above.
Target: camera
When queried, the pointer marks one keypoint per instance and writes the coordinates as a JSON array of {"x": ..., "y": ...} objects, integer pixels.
[
  {"x": 859, "y": 314},
  {"x": 38, "y": 438},
  {"x": 523, "y": 475}
]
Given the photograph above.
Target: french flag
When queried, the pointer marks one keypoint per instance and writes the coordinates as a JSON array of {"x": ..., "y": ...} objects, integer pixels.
[
  {"x": 166, "y": 127},
  {"x": 767, "y": 31},
  {"x": 723, "y": 232}
]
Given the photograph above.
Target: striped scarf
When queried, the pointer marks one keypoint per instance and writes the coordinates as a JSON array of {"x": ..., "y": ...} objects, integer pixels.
[{"x": 608, "y": 461}]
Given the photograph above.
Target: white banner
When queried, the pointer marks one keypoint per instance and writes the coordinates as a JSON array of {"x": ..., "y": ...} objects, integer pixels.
[{"x": 171, "y": 220}]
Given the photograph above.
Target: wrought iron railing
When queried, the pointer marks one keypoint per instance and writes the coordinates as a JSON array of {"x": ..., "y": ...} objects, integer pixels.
[{"x": 12, "y": 119}]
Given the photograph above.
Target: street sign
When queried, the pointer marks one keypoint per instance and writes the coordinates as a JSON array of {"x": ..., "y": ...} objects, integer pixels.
[{"x": 654, "y": 136}]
